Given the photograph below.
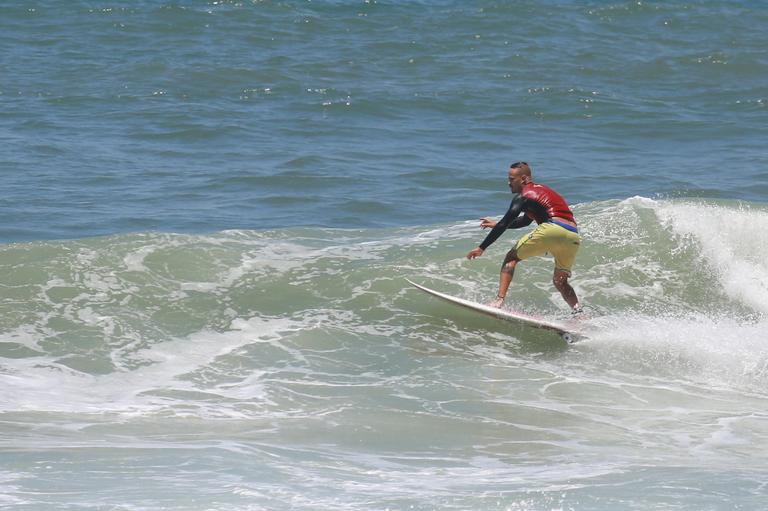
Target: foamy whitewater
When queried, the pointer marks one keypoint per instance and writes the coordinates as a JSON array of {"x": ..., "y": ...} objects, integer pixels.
[
  {"x": 296, "y": 369},
  {"x": 208, "y": 211}
]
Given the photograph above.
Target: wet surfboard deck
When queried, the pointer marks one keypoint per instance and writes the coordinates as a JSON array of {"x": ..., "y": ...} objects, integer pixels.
[{"x": 568, "y": 334}]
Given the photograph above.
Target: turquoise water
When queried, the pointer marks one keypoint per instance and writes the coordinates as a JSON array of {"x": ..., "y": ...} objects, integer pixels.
[
  {"x": 205, "y": 116},
  {"x": 209, "y": 210}
]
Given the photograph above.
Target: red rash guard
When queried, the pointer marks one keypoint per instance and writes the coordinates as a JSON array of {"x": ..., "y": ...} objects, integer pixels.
[
  {"x": 538, "y": 202},
  {"x": 545, "y": 205}
]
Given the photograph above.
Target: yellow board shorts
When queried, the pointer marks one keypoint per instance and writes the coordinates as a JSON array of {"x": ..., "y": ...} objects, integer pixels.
[{"x": 553, "y": 239}]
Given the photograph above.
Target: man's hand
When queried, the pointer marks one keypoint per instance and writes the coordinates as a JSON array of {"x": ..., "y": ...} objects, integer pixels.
[
  {"x": 475, "y": 252},
  {"x": 487, "y": 223}
]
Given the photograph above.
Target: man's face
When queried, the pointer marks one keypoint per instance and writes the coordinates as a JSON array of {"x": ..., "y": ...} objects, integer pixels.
[{"x": 516, "y": 180}]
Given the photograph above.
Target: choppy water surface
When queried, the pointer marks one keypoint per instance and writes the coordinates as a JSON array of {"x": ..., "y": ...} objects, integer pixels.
[
  {"x": 205, "y": 116},
  {"x": 279, "y": 369},
  {"x": 209, "y": 210}
]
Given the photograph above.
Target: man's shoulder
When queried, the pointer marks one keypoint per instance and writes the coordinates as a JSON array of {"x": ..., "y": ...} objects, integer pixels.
[{"x": 532, "y": 190}]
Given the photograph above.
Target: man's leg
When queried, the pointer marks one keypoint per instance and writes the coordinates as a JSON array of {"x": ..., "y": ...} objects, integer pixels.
[
  {"x": 505, "y": 277},
  {"x": 560, "y": 280}
]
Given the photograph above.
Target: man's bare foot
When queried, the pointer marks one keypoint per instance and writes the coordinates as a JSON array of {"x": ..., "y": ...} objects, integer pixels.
[{"x": 496, "y": 303}]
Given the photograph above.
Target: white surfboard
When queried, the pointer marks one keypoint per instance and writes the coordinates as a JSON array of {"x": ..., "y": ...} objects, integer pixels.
[{"x": 569, "y": 335}]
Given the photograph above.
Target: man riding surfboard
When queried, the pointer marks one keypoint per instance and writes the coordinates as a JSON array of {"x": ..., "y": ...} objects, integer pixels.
[{"x": 556, "y": 233}]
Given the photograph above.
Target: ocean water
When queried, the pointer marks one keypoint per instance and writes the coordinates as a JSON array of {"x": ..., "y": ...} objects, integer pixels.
[{"x": 209, "y": 210}]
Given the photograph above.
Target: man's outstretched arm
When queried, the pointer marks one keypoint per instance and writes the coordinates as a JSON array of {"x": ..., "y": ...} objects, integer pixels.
[{"x": 510, "y": 219}]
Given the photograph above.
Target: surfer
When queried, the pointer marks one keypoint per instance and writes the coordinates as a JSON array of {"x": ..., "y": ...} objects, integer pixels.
[{"x": 556, "y": 233}]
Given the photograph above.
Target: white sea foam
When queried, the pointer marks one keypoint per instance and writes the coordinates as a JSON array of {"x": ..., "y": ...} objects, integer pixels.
[
  {"x": 358, "y": 374},
  {"x": 733, "y": 241},
  {"x": 715, "y": 350},
  {"x": 44, "y": 384}
]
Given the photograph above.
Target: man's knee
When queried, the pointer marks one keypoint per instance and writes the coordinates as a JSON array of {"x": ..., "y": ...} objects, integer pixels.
[
  {"x": 510, "y": 261},
  {"x": 509, "y": 266},
  {"x": 511, "y": 257},
  {"x": 560, "y": 279}
]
